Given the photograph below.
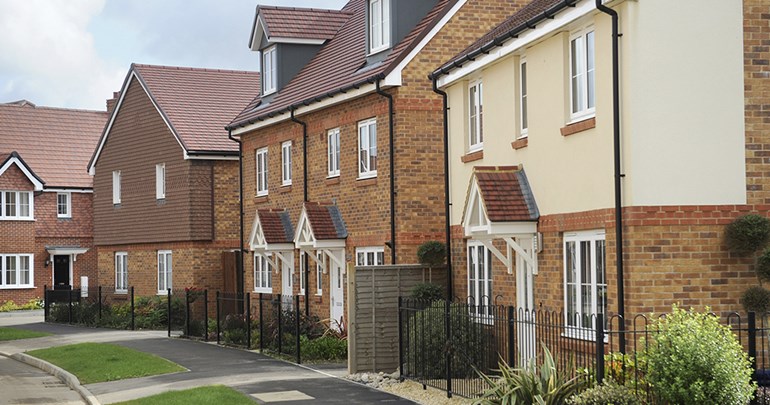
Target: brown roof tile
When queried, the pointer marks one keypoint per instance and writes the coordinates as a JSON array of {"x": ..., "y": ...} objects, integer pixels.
[
  {"x": 506, "y": 194},
  {"x": 338, "y": 64},
  {"x": 306, "y": 23},
  {"x": 55, "y": 143},
  {"x": 325, "y": 221},
  {"x": 276, "y": 226}
]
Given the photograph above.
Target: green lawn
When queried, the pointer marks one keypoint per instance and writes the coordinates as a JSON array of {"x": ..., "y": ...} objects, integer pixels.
[
  {"x": 13, "y": 334},
  {"x": 99, "y": 362},
  {"x": 216, "y": 394}
]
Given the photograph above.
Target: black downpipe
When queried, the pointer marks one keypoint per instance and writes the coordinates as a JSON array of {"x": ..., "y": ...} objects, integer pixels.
[
  {"x": 445, "y": 109},
  {"x": 304, "y": 196},
  {"x": 618, "y": 175},
  {"x": 241, "y": 249},
  {"x": 392, "y": 114}
]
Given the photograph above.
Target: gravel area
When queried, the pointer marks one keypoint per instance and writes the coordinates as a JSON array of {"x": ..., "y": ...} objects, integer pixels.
[{"x": 407, "y": 389}]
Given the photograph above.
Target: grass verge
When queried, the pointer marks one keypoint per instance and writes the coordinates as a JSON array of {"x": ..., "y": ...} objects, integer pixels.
[
  {"x": 13, "y": 334},
  {"x": 216, "y": 394},
  {"x": 99, "y": 362}
]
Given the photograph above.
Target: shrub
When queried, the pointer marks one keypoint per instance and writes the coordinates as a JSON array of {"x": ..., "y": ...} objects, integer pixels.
[
  {"x": 325, "y": 348},
  {"x": 432, "y": 253},
  {"x": 9, "y": 305},
  {"x": 628, "y": 369},
  {"x": 427, "y": 292},
  {"x": 695, "y": 360},
  {"x": 610, "y": 392},
  {"x": 528, "y": 385},
  {"x": 748, "y": 233},
  {"x": 763, "y": 266},
  {"x": 756, "y": 299}
]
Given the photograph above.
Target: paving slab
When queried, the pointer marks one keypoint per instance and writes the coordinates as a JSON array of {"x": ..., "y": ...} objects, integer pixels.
[{"x": 24, "y": 384}]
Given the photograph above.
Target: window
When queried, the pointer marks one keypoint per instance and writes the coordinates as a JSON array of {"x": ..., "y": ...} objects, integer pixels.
[
  {"x": 479, "y": 279},
  {"x": 370, "y": 256},
  {"x": 367, "y": 148},
  {"x": 286, "y": 163},
  {"x": 16, "y": 205},
  {"x": 263, "y": 281},
  {"x": 302, "y": 272},
  {"x": 164, "y": 271},
  {"x": 379, "y": 25},
  {"x": 334, "y": 152},
  {"x": 523, "y": 129},
  {"x": 116, "y": 187},
  {"x": 64, "y": 205},
  {"x": 16, "y": 271},
  {"x": 269, "y": 64},
  {"x": 160, "y": 181},
  {"x": 475, "y": 117},
  {"x": 121, "y": 271},
  {"x": 319, "y": 273},
  {"x": 585, "y": 285},
  {"x": 582, "y": 83},
  {"x": 262, "y": 172}
]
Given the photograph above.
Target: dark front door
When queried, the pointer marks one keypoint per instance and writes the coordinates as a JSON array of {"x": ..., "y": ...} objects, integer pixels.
[{"x": 61, "y": 272}]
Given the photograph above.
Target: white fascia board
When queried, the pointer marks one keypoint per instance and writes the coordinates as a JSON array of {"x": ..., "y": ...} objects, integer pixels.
[
  {"x": 301, "y": 41},
  {"x": 544, "y": 29},
  {"x": 513, "y": 228},
  {"x": 330, "y": 244},
  {"x": 337, "y": 99},
  {"x": 15, "y": 161},
  {"x": 188, "y": 156},
  {"x": 69, "y": 190},
  {"x": 259, "y": 30},
  {"x": 394, "y": 77},
  {"x": 280, "y": 247}
]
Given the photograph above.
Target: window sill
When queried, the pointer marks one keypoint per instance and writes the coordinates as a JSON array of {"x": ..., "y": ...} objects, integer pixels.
[
  {"x": 121, "y": 292},
  {"x": 472, "y": 156},
  {"x": 375, "y": 51},
  {"x": 163, "y": 293},
  {"x": 263, "y": 290},
  {"x": 579, "y": 126},
  {"x": 285, "y": 189},
  {"x": 18, "y": 219},
  {"x": 17, "y": 287},
  {"x": 582, "y": 334},
  {"x": 260, "y": 199},
  {"x": 330, "y": 181},
  {"x": 520, "y": 143},
  {"x": 366, "y": 181}
]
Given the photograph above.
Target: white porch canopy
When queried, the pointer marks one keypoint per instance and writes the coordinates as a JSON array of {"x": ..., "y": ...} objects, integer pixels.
[
  {"x": 65, "y": 250},
  {"x": 306, "y": 240},
  {"x": 276, "y": 244}
]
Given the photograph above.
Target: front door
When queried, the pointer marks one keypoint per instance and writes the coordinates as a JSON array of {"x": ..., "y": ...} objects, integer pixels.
[
  {"x": 337, "y": 310},
  {"x": 62, "y": 272},
  {"x": 525, "y": 302},
  {"x": 287, "y": 287}
]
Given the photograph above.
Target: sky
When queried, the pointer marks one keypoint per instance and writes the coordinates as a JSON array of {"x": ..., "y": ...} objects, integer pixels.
[{"x": 75, "y": 53}]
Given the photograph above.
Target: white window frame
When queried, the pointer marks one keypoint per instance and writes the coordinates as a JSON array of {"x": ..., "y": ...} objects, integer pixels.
[
  {"x": 367, "y": 143},
  {"x": 523, "y": 106},
  {"x": 475, "y": 116},
  {"x": 261, "y": 171},
  {"x": 578, "y": 325},
  {"x": 302, "y": 259},
  {"x": 166, "y": 274},
  {"x": 67, "y": 213},
  {"x": 17, "y": 273},
  {"x": 263, "y": 276},
  {"x": 286, "y": 163},
  {"x": 333, "y": 152},
  {"x": 585, "y": 77},
  {"x": 319, "y": 273},
  {"x": 17, "y": 205},
  {"x": 370, "y": 256},
  {"x": 121, "y": 272},
  {"x": 269, "y": 70},
  {"x": 480, "y": 281},
  {"x": 378, "y": 28},
  {"x": 160, "y": 181},
  {"x": 116, "y": 187}
]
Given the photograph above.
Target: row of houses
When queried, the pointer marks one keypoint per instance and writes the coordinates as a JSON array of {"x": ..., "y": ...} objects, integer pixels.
[{"x": 576, "y": 155}]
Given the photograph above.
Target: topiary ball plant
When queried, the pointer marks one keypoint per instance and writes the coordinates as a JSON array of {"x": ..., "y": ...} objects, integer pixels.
[
  {"x": 432, "y": 253},
  {"x": 427, "y": 292},
  {"x": 756, "y": 299},
  {"x": 748, "y": 233},
  {"x": 763, "y": 266}
]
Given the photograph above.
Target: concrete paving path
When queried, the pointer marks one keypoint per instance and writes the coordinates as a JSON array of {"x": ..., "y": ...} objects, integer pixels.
[
  {"x": 265, "y": 379},
  {"x": 24, "y": 384}
]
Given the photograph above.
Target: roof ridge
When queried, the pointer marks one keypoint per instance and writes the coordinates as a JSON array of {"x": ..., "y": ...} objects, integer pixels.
[
  {"x": 193, "y": 69},
  {"x": 41, "y": 107},
  {"x": 322, "y": 10}
]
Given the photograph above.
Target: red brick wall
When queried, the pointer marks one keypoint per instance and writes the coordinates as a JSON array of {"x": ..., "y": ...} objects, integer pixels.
[{"x": 756, "y": 42}]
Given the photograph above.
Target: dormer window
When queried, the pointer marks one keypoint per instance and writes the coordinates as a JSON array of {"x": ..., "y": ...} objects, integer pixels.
[
  {"x": 268, "y": 71},
  {"x": 379, "y": 25}
]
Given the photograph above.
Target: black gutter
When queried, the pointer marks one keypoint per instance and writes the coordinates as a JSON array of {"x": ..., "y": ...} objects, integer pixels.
[
  {"x": 392, "y": 115},
  {"x": 212, "y": 153},
  {"x": 618, "y": 175},
  {"x": 241, "y": 249},
  {"x": 447, "y": 204},
  {"x": 304, "y": 191}
]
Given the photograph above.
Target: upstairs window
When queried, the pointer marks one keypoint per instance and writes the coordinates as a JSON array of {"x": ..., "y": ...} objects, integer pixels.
[
  {"x": 160, "y": 181},
  {"x": 524, "y": 127},
  {"x": 116, "y": 187},
  {"x": 582, "y": 76},
  {"x": 334, "y": 152},
  {"x": 379, "y": 25},
  {"x": 475, "y": 116},
  {"x": 286, "y": 163},
  {"x": 367, "y": 148},
  {"x": 64, "y": 205},
  {"x": 269, "y": 64},
  {"x": 16, "y": 205},
  {"x": 262, "y": 172}
]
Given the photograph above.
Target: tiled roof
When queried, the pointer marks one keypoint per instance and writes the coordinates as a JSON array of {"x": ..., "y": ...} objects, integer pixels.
[
  {"x": 55, "y": 143},
  {"x": 339, "y": 64},
  {"x": 326, "y": 221},
  {"x": 525, "y": 18},
  {"x": 305, "y": 23},
  {"x": 200, "y": 102},
  {"x": 506, "y": 194},
  {"x": 276, "y": 226}
]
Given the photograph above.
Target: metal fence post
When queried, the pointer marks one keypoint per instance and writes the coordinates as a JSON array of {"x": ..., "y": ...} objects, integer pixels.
[
  {"x": 218, "y": 317},
  {"x": 511, "y": 340},
  {"x": 296, "y": 306},
  {"x": 187, "y": 312},
  {"x": 46, "y": 303},
  {"x": 448, "y": 330},
  {"x": 248, "y": 321},
  {"x": 280, "y": 323},
  {"x": 100, "y": 303},
  {"x": 168, "y": 310},
  {"x": 400, "y": 340},
  {"x": 753, "y": 339},
  {"x": 69, "y": 303},
  {"x": 599, "y": 348},
  {"x": 261, "y": 326},
  {"x": 132, "y": 309},
  {"x": 206, "y": 315}
]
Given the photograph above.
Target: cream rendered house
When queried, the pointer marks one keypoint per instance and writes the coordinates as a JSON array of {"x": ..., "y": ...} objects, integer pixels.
[{"x": 532, "y": 163}]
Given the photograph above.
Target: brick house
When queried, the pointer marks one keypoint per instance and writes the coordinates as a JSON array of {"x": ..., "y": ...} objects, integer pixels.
[
  {"x": 46, "y": 194},
  {"x": 345, "y": 137},
  {"x": 166, "y": 180},
  {"x": 533, "y": 184}
]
